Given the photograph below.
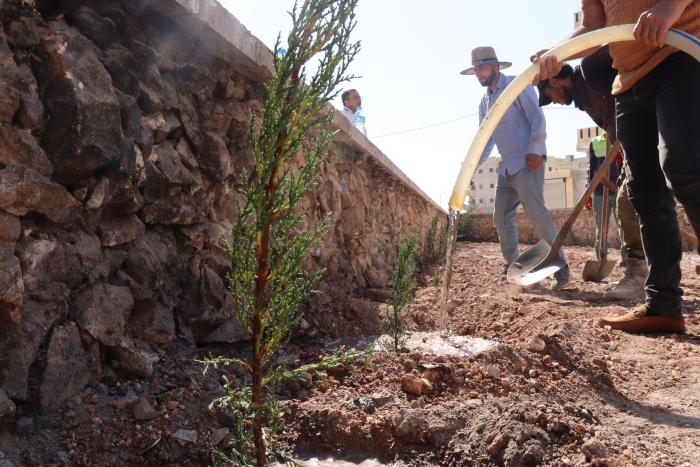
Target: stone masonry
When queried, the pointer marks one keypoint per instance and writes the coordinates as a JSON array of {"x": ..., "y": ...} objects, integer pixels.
[{"x": 123, "y": 129}]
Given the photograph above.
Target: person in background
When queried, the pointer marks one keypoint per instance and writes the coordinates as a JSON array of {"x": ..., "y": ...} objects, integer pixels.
[
  {"x": 352, "y": 109},
  {"x": 520, "y": 138},
  {"x": 588, "y": 86},
  {"x": 657, "y": 105},
  {"x": 597, "y": 150}
]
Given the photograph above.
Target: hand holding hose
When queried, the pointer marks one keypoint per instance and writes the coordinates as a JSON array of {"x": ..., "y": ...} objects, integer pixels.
[
  {"x": 653, "y": 24},
  {"x": 549, "y": 66}
]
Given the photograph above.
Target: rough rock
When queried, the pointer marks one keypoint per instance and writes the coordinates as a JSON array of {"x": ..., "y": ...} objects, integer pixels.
[
  {"x": 24, "y": 190},
  {"x": 7, "y": 407},
  {"x": 132, "y": 360},
  {"x": 23, "y": 32},
  {"x": 21, "y": 344},
  {"x": 415, "y": 386},
  {"x": 185, "y": 436},
  {"x": 147, "y": 260},
  {"x": 214, "y": 158},
  {"x": 9, "y": 227},
  {"x": 50, "y": 267},
  {"x": 144, "y": 411},
  {"x": 25, "y": 425},
  {"x": 31, "y": 111},
  {"x": 67, "y": 368},
  {"x": 153, "y": 321},
  {"x": 163, "y": 125},
  {"x": 594, "y": 449},
  {"x": 122, "y": 67},
  {"x": 218, "y": 436},
  {"x": 167, "y": 162},
  {"x": 11, "y": 290},
  {"x": 121, "y": 230},
  {"x": 413, "y": 426},
  {"x": 100, "y": 30},
  {"x": 102, "y": 311},
  {"x": 9, "y": 98},
  {"x": 179, "y": 209},
  {"x": 83, "y": 132},
  {"x": 18, "y": 147},
  {"x": 498, "y": 445},
  {"x": 129, "y": 400},
  {"x": 536, "y": 345}
]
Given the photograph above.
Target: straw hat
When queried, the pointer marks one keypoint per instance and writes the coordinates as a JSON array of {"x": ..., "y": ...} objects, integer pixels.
[{"x": 482, "y": 55}]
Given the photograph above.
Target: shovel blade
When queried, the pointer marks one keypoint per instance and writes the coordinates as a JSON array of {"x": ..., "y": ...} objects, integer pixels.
[
  {"x": 534, "y": 265},
  {"x": 596, "y": 271}
]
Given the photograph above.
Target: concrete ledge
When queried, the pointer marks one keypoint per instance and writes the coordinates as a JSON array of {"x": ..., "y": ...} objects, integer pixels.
[{"x": 225, "y": 36}]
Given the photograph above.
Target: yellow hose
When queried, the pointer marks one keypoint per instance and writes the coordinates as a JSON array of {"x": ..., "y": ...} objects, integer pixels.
[{"x": 675, "y": 38}]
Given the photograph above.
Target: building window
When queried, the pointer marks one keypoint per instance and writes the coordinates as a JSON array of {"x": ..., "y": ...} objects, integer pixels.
[
  {"x": 481, "y": 171},
  {"x": 491, "y": 169},
  {"x": 589, "y": 132},
  {"x": 491, "y": 200},
  {"x": 580, "y": 134},
  {"x": 481, "y": 201},
  {"x": 550, "y": 169},
  {"x": 491, "y": 185}
]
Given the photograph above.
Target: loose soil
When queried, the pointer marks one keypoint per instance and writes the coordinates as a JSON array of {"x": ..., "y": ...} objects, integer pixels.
[{"x": 556, "y": 389}]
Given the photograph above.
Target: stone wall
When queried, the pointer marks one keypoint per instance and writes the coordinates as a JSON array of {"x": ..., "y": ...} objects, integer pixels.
[
  {"x": 123, "y": 128},
  {"x": 480, "y": 229}
]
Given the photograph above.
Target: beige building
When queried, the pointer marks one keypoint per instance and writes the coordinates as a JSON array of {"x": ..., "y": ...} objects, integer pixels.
[
  {"x": 584, "y": 137},
  {"x": 565, "y": 180}
]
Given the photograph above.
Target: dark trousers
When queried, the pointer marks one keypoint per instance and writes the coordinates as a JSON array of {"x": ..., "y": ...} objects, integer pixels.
[{"x": 658, "y": 124}]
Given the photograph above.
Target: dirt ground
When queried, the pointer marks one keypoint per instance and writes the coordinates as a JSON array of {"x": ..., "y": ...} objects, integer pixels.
[{"x": 555, "y": 389}]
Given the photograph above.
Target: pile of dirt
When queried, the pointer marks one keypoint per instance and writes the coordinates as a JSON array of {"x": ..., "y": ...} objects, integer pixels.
[{"x": 553, "y": 389}]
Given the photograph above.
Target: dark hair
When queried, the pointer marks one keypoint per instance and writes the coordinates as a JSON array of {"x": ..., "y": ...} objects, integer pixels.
[
  {"x": 344, "y": 95},
  {"x": 566, "y": 72}
]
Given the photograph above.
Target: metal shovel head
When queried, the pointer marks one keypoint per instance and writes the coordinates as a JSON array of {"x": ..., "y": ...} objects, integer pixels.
[
  {"x": 596, "y": 271},
  {"x": 534, "y": 265}
]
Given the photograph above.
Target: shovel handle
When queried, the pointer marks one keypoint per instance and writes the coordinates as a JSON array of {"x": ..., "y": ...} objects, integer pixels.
[
  {"x": 605, "y": 221},
  {"x": 595, "y": 181}
]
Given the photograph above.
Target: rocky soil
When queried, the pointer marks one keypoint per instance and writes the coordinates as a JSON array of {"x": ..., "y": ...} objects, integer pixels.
[{"x": 556, "y": 390}]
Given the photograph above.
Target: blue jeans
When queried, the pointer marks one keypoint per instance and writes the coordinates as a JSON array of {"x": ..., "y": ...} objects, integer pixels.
[{"x": 526, "y": 187}]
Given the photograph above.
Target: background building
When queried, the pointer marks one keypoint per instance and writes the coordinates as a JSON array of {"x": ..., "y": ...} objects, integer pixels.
[
  {"x": 565, "y": 180},
  {"x": 584, "y": 137}
]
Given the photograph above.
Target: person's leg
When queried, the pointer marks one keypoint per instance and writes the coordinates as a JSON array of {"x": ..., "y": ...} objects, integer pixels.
[
  {"x": 504, "y": 218},
  {"x": 631, "y": 286},
  {"x": 653, "y": 201},
  {"x": 631, "y": 237},
  {"x": 598, "y": 216},
  {"x": 678, "y": 114},
  {"x": 530, "y": 188},
  {"x": 643, "y": 113}
]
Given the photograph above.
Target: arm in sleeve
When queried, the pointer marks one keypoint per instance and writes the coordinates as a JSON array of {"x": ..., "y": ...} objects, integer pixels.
[
  {"x": 491, "y": 143},
  {"x": 538, "y": 126}
]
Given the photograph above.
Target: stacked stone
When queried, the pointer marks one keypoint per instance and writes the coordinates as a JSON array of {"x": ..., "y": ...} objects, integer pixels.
[{"x": 121, "y": 140}]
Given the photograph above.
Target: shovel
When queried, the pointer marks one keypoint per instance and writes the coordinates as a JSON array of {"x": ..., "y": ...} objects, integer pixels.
[
  {"x": 542, "y": 260},
  {"x": 596, "y": 271}
]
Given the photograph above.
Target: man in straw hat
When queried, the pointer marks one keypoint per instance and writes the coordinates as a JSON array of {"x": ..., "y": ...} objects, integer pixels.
[{"x": 520, "y": 138}]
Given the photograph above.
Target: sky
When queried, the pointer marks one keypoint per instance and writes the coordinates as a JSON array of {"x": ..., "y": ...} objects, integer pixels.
[{"x": 412, "y": 54}]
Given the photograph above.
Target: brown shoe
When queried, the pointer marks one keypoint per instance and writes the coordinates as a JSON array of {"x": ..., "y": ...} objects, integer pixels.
[{"x": 638, "y": 321}]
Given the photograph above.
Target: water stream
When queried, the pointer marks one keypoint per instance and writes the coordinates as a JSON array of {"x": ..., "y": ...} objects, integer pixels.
[{"x": 447, "y": 278}]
